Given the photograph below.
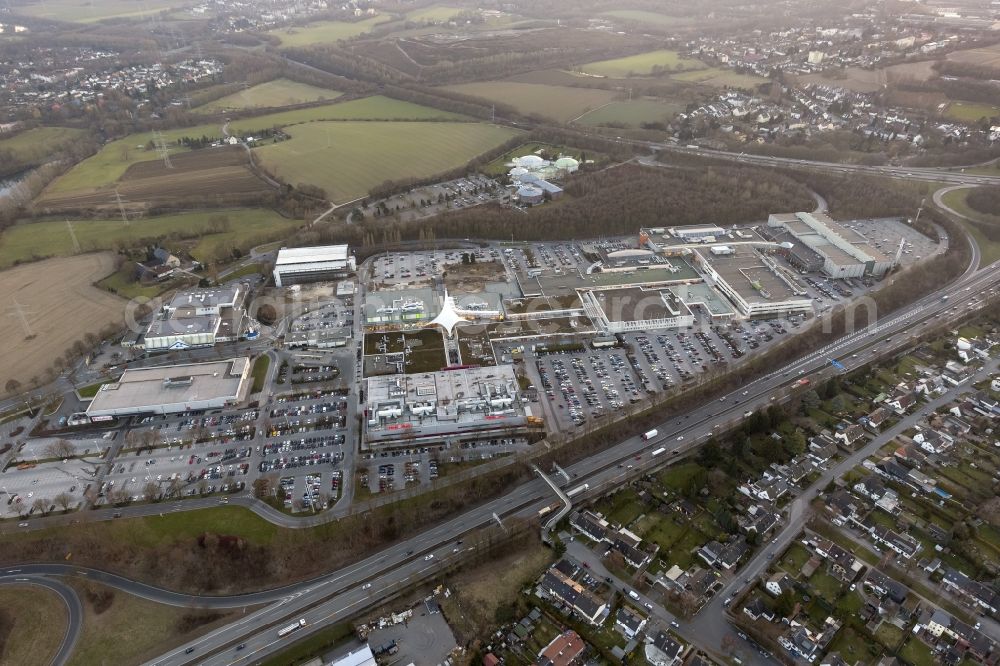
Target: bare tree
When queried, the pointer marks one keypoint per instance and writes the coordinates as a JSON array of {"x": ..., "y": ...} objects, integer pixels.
[
  {"x": 151, "y": 491},
  {"x": 40, "y": 505},
  {"x": 63, "y": 501},
  {"x": 61, "y": 448}
]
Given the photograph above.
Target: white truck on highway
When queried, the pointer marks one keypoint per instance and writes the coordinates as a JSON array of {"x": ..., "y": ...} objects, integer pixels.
[
  {"x": 658, "y": 451},
  {"x": 284, "y": 631},
  {"x": 646, "y": 436}
]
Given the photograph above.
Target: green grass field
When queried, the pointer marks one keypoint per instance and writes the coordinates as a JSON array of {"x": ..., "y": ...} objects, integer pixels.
[
  {"x": 259, "y": 372},
  {"x": 716, "y": 76},
  {"x": 642, "y": 64},
  {"x": 632, "y": 114},
  {"x": 280, "y": 92},
  {"x": 89, "y": 11},
  {"x": 562, "y": 103},
  {"x": 326, "y": 31},
  {"x": 347, "y": 159},
  {"x": 970, "y": 112},
  {"x": 25, "y": 242},
  {"x": 433, "y": 14},
  {"x": 652, "y": 18},
  {"x": 34, "y": 145}
]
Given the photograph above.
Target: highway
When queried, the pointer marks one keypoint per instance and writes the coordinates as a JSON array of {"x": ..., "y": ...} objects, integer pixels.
[{"x": 950, "y": 176}]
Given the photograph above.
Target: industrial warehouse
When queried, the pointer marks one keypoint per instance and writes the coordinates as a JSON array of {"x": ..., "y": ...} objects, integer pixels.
[
  {"x": 174, "y": 388},
  {"x": 298, "y": 265},
  {"x": 442, "y": 406}
]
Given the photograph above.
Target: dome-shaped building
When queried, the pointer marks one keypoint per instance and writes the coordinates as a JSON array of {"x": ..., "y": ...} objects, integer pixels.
[
  {"x": 529, "y": 162},
  {"x": 567, "y": 164},
  {"x": 528, "y": 194},
  {"x": 517, "y": 172}
]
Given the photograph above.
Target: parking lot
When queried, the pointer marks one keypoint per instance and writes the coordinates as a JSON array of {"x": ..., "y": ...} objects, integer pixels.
[
  {"x": 421, "y": 202},
  {"x": 886, "y": 234}
]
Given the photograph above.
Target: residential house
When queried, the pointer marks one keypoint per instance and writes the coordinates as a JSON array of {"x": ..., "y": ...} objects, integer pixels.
[
  {"x": 876, "y": 419},
  {"x": 901, "y": 402},
  {"x": 933, "y": 441},
  {"x": 901, "y": 544},
  {"x": 976, "y": 594},
  {"x": 566, "y": 649},
  {"x": 759, "y": 519},
  {"x": 756, "y": 609},
  {"x": 629, "y": 622},
  {"x": 663, "y": 650},
  {"x": 778, "y": 583},
  {"x": 889, "y": 502},
  {"x": 580, "y": 600},
  {"x": 164, "y": 258},
  {"x": 591, "y": 525},
  {"x": 821, "y": 452},
  {"x": 850, "y": 436},
  {"x": 884, "y": 587},
  {"x": 871, "y": 487},
  {"x": 955, "y": 373},
  {"x": 628, "y": 544},
  {"x": 843, "y": 507}
]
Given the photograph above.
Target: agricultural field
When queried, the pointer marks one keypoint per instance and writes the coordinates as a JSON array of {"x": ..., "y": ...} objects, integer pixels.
[
  {"x": 433, "y": 14},
  {"x": 560, "y": 103},
  {"x": 643, "y": 64},
  {"x": 210, "y": 175},
  {"x": 720, "y": 78},
  {"x": 60, "y": 306},
  {"x": 347, "y": 159},
  {"x": 970, "y": 112},
  {"x": 631, "y": 114},
  {"x": 32, "y": 623},
  {"x": 110, "y": 163},
  {"x": 33, "y": 146},
  {"x": 852, "y": 78},
  {"x": 376, "y": 107},
  {"x": 987, "y": 56},
  {"x": 320, "y": 32},
  {"x": 652, "y": 18},
  {"x": 207, "y": 231},
  {"x": 89, "y": 11},
  {"x": 280, "y": 92}
]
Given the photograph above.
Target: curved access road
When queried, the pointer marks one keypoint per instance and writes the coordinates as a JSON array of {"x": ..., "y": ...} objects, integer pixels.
[{"x": 74, "y": 610}]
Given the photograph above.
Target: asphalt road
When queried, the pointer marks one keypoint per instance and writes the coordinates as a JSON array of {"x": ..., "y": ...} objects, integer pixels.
[{"x": 69, "y": 597}]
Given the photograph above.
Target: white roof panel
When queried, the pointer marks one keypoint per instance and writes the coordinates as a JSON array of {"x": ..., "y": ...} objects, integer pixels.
[{"x": 305, "y": 255}]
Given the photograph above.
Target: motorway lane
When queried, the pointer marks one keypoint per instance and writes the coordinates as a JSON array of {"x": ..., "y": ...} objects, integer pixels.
[{"x": 74, "y": 610}]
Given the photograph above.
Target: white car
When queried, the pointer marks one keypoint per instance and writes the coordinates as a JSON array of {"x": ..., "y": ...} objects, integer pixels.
[
  {"x": 429, "y": 557},
  {"x": 680, "y": 438},
  {"x": 366, "y": 586}
]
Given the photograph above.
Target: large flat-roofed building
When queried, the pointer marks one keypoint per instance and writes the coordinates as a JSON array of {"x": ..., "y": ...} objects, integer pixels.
[
  {"x": 296, "y": 265},
  {"x": 401, "y": 307},
  {"x": 464, "y": 403},
  {"x": 754, "y": 283},
  {"x": 845, "y": 253},
  {"x": 635, "y": 309},
  {"x": 198, "y": 318},
  {"x": 174, "y": 388}
]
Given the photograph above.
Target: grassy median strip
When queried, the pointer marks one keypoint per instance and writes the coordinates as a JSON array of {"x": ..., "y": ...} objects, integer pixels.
[{"x": 259, "y": 372}]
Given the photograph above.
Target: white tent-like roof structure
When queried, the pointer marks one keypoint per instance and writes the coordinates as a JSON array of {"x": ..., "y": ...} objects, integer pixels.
[{"x": 448, "y": 318}]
